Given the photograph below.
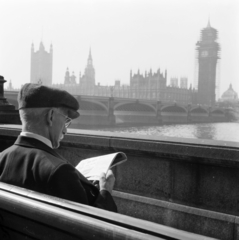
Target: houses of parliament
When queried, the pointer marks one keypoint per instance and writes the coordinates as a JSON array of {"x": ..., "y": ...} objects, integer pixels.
[{"x": 150, "y": 85}]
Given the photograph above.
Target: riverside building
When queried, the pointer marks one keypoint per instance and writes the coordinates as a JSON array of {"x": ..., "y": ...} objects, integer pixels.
[
  {"x": 150, "y": 85},
  {"x": 41, "y": 65}
]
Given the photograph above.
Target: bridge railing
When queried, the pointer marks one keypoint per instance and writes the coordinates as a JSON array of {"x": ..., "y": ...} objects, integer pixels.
[{"x": 26, "y": 214}]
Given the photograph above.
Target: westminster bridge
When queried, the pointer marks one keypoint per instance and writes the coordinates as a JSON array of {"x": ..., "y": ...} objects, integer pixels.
[{"x": 105, "y": 111}]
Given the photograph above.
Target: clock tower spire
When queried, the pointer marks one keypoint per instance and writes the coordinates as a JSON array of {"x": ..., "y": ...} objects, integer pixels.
[{"x": 208, "y": 55}]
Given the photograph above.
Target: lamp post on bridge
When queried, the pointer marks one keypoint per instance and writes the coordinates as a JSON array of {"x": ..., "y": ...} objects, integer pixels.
[
  {"x": 3, "y": 101},
  {"x": 111, "y": 115},
  {"x": 111, "y": 91},
  {"x": 2, "y": 81},
  {"x": 8, "y": 114}
]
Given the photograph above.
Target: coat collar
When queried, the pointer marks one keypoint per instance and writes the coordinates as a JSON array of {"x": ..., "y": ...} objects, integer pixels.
[{"x": 34, "y": 143}]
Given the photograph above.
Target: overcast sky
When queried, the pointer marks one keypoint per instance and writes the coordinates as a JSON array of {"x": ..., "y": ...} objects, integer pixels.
[{"x": 122, "y": 35}]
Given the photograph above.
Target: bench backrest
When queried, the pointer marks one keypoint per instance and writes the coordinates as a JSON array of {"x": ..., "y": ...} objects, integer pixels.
[{"x": 26, "y": 214}]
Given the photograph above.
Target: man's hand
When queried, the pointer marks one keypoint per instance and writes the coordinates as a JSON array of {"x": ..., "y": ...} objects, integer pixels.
[{"x": 107, "y": 181}]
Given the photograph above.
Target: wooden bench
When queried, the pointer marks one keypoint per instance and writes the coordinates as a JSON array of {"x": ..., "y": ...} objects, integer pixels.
[{"x": 26, "y": 214}]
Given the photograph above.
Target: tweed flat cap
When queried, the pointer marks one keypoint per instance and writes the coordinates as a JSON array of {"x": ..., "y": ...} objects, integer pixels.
[{"x": 40, "y": 96}]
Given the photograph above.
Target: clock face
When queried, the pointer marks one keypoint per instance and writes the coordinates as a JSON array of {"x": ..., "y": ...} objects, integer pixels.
[{"x": 204, "y": 53}]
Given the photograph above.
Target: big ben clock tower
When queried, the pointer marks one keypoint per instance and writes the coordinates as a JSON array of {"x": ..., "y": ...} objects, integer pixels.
[{"x": 208, "y": 54}]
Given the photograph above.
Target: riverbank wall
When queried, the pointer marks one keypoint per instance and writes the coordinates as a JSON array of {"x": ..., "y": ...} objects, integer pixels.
[{"x": 191, "y": 185}]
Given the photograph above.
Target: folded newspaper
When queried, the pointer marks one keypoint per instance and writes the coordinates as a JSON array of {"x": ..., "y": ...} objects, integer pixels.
[{"x": 91, "y": 168}]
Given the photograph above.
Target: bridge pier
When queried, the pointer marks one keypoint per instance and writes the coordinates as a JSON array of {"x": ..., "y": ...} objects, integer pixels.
[
  {"x": 111, "y": 116},
  {"x": 189, "y": 119},
  {"x": 159, "y": 117}
]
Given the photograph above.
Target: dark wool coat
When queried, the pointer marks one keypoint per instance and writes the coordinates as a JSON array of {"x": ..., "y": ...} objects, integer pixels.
[{"x": 31, "y": 164}]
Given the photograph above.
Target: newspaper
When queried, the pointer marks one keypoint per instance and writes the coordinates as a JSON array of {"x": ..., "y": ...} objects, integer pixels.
[{"x": 91, "y": 168}]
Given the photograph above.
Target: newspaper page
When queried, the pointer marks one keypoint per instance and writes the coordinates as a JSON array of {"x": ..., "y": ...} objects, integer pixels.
[{"x": 91, "y": 168}]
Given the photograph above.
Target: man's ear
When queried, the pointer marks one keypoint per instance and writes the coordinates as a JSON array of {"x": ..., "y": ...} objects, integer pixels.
[{"x": 50, "y": 117}]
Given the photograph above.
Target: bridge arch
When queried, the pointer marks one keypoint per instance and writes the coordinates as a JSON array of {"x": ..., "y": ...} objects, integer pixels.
[
  {"x": 86, "y": 105},
  {"x": 174, "y": 108},
  {"x": 217, "y": 111},
  {"x": 134, "y": 106},
  {"x": 199, "y": 110}
]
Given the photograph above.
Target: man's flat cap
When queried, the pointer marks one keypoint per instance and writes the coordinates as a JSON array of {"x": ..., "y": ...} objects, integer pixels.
[{"x": 40, "y": 96}]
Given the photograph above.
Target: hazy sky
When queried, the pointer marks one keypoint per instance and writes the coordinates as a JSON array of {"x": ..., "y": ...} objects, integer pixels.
[{"x": 122, "y": 35}]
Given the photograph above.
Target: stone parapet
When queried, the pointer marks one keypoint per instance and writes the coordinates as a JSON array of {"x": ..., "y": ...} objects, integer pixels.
[{"x": 208, "y": 223}]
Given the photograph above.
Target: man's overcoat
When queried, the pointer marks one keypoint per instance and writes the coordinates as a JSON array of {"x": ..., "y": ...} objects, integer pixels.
[{"x": 31, "y": 164}]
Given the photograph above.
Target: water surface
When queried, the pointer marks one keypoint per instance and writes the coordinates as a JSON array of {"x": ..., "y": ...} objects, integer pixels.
[{"x": 212, "y": 131}]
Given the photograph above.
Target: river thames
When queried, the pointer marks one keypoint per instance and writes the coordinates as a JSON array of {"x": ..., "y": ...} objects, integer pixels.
[{"x": 212, "y": 131}]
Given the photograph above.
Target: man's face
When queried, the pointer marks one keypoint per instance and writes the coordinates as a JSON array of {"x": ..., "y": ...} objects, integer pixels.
[{"x": 58, "y": 128}]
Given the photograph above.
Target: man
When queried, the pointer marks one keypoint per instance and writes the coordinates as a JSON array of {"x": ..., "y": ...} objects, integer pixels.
[{"x": 32, "y": 161}]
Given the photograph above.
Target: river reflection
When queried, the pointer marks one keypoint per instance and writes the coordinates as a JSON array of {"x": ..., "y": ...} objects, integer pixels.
[
  {"x": 205, "y": 131},
  {"x": 213, "y": 131}
]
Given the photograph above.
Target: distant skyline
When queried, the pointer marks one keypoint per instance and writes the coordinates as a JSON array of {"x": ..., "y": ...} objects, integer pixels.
[{"x": 123, "y": 35}]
